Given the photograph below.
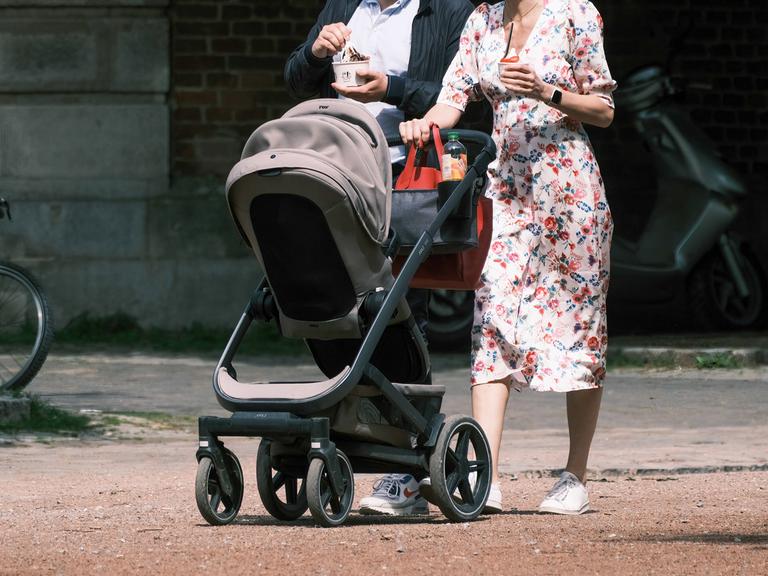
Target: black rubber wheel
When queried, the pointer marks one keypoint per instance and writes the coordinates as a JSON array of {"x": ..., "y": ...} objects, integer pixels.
[
  {"x": 215, "y": 506},
  {"x": 284, "y": 496},
  {"x": 460, "y": 469},
  {"x": 713, "y": 297},
  {"x": 451, "y": 314},
  {"x": 26, "y": 327},
  {"x": 327, "y": 509}
]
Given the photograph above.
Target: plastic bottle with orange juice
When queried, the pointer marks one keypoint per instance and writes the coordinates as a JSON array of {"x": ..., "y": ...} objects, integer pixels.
[{"x": 454, "y": 159}]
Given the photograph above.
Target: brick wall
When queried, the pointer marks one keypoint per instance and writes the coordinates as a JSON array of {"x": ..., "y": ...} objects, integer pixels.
[
  {"x": 227, "y": 61},
  {"x": 725, "y": 53},
  {"x": 228, "y": 55}
]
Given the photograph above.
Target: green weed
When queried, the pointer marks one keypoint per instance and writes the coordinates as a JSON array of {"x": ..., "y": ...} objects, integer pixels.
[
  {"x": 47, "y": 418},
  {"x": 719, "y": 360}
]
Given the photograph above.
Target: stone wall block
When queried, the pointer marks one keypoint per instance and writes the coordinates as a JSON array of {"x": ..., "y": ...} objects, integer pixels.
[
  {"x": 77, "y": 230},
  {"x": 81, "y": 141},
  {"x": 141, "y": 62},
  {"x": 46, "y": 55}
]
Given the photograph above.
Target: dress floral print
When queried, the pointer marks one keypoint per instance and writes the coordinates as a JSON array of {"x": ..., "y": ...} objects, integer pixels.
[{"x": 540, "y": 315}]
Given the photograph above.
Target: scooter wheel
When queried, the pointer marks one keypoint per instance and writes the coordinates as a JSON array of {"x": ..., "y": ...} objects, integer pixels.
[{"x": 713, "y": 295}]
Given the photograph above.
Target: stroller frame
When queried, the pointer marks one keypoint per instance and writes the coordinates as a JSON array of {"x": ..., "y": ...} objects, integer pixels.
[{"x": 329, "y": 480}]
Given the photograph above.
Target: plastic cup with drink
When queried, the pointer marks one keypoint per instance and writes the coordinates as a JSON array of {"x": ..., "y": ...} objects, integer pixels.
[{"x": 510, "y": 58}]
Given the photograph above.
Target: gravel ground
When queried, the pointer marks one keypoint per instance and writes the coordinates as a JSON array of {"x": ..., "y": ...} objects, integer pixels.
[{"x": 127, "y": 507}]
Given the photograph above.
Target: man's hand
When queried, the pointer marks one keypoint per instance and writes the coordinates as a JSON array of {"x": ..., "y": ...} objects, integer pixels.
[
  {"x": 373, "y": 90},
  {"x": 331, "y": 40},
  {"x": 523, "y": 81}
]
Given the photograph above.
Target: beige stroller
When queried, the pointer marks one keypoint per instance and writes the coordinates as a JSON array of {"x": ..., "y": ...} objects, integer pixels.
[{"x": 312, "y": 198}]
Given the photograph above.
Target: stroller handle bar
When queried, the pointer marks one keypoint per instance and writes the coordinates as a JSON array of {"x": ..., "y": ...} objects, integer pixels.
[{"x": 486, "y": 155}]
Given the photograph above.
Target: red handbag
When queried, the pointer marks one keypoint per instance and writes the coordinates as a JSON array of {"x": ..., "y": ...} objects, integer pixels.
[
  {"x": 421, "y": 176},
  {"x": 459, "y": 270}
]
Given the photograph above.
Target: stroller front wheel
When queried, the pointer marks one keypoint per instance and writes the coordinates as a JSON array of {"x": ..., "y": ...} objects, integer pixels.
[
  {"x": 271, "y": 482},
  {"x": 216, "y": 506},
  {"x": 326, "y": 507}
]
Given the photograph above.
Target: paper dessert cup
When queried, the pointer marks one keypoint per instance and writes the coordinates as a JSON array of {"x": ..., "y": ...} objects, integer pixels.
[{"x": 346, "y": 72}]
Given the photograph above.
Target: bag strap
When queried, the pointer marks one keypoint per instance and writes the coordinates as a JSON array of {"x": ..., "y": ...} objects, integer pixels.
[{"x": 415, "y": 162}]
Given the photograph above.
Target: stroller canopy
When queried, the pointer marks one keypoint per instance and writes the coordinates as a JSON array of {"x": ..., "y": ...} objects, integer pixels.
[{"x": 347, "y": 136}]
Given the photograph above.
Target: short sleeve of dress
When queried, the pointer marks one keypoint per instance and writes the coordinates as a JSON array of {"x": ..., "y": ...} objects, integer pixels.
[
  {"x": 463, "y": 74},
  {"x": 588, "y": 55}
]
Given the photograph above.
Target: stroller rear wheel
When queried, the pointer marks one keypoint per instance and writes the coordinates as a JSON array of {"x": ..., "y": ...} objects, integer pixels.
[
  {"x": 217, "y": 507},
  {"x": 460, "y": 469},
  {"x": 328, "y": 509},
  {"x": 271, "y": 483}
]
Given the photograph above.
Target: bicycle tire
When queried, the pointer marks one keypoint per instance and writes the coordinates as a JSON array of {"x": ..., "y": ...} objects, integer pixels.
[{"x": 15, "y": 379}]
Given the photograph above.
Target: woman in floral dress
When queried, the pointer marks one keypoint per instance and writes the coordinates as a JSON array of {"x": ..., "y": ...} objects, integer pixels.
[{"x": 540, "y": 315}]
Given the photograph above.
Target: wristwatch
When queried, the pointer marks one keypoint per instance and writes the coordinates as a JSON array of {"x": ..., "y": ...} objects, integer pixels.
[{"x": 556, "y": 97}]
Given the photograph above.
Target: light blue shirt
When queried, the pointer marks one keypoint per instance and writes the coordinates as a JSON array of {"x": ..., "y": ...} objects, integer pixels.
[{"x": 385, "y": 36}]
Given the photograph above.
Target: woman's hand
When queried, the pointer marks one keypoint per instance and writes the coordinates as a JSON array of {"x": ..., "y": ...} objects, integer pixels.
[
  {"x": 331, "y": 40},
  {"x": 416, "y": 132},
  {"x": 522, "y": 80},
  {"x": 419, "y": 130}
]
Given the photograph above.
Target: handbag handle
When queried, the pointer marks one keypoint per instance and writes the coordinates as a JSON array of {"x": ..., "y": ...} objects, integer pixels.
[{"x": 412, "y": 169}]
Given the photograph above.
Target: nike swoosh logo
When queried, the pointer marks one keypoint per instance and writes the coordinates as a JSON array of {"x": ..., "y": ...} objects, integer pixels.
[{"x": 407, "y": 493}]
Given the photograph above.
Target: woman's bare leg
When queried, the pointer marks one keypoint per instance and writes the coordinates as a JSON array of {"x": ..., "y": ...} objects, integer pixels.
[
  {"x": 489, "y": 403},
  {"x": 583, "y": 408}
]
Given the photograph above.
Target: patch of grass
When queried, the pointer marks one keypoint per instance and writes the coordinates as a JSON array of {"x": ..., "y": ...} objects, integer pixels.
[
  {"x": 719, "y": 360},
  {"x": 110, "y": 421},
  {"x": 47, "y": 418},
  {"x": 123, "y": 331}
]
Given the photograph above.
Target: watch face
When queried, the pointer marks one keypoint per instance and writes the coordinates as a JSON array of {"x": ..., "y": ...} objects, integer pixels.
[{"x": 557, "y": 96}]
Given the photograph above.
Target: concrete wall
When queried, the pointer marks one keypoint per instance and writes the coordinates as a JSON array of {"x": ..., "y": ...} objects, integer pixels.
[{"x": 84, "y": 161}]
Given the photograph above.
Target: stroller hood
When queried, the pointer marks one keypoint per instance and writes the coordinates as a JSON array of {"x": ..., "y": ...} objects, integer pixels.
[{"x": 338, "y": 133}]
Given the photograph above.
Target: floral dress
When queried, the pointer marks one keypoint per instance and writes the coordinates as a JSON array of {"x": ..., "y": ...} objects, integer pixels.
[{"x": 540, "y": 314}]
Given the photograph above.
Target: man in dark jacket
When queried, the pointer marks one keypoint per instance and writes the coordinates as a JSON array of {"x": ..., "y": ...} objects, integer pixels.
[
  {"x": 410, "y": 43},
  {"x": 434, "y": 40}
]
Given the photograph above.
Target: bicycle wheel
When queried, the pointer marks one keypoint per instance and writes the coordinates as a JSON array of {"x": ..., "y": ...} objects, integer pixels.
[{"x": 26, "y": 327}]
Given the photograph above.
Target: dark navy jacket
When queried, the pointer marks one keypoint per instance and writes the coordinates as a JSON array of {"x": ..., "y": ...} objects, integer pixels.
[{"x": 434, "y": 41}]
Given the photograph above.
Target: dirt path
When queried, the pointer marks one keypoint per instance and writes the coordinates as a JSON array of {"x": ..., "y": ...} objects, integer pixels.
[{"x": 128, "y": 507}]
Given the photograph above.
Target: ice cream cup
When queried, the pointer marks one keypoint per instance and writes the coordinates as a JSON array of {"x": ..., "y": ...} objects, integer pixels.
[{"x": 346, "y": 72}]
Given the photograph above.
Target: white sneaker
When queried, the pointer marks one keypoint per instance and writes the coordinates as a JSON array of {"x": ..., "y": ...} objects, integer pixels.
[
  {"x": 568, "y": 496},
  {"x": 396, "y": 495},
  {"x": 492, "y": 505}
]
